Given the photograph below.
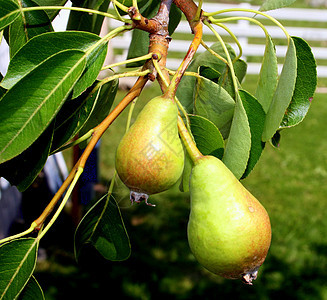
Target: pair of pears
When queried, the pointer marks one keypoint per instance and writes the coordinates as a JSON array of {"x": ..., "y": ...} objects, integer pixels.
[{"x": 228, "y": 231}]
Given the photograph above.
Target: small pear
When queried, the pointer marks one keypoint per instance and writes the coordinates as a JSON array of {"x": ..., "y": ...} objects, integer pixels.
[
  {"x": 150, "y": 156},
  {"x": 229, "y": 231}
]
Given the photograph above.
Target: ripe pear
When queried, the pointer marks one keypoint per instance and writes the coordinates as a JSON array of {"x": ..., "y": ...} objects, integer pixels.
[
  {"x": 150, "y": 156},
  {"x": 229, "y": 231}
]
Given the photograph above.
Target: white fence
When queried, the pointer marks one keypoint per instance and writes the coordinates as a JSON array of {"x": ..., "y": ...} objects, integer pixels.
[{"x": 244, "y": 31}]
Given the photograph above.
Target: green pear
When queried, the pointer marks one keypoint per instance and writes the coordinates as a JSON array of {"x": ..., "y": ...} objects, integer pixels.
[
  {"x": 150, "y": 156},
  {"x": 229, "y": 231}
]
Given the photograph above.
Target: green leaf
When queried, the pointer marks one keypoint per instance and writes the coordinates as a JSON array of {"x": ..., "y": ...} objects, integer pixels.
[
  {"x": 40, "y": 48},
  {"x": 305, "y": 85},
  {"x": 82, "y": 21},
  {"x": 27, "y": 25},
  {"x": 238, "y": 145},
  {"x": 207, "y": 136},
  {"x": 175, "y": 16},
  {"x": 32, "y": 291},
  {"x": 72, "y": 116},
  {"x": 275, "y": 4},
  {"x": 138, "y": 47},
  {"x": 256, "y": 117},
  {"x": 268, "y": 76},
  {"x": 28, "y": 107},
  {"x": 102, "y": 227},
  {"x": 22, "y": 170},
  {"x": 51, "y": 13},
  {"x": 283, "y": 94},
  {"x": 9, "y": 11},
  {"x": 214, "y": 103},
  {"x": 17, "y": 263},
  {"x": 185, "y": 91},
  {"x": 209, "y": 73},
  {"x": 102, "y": 107}
]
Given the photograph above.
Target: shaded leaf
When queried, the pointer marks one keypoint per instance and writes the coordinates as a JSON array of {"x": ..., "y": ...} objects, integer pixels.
[
  {"x": 27, "y": 25},
  {"x": 51, "y": 13},
  {"x": 305, "y": 85},
  {"x": 185, "y": 91},
  {"x": 9, "y": 11},
  {"x": 107, "y": 94},
  {"x": 209, "y": 73},
  {"x": 214, "y": 103},
  {"x": 283, "y": 94},
  {"x": 275, "y": 4},
  {"x": 256, "y": 117},
  {"x": 17, "y": 262},
  {"x": 268, "y": 76},
  {"x": 175, "y": 16},
  {"x": 102, "y": 227},
  {"x": 82, "y": 21},
  {"x": 207, "y": 136},
  {"x": 32, "y": 291},
  {"x": 28, "y": 107},
  {"x": 238, "y": 145},
  {"x": 24, "y": 168}
]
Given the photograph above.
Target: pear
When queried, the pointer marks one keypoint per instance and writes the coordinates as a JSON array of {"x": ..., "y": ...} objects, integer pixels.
[
  {"x": 150, "y": 156},
  {"x": 229, "y": 231}
]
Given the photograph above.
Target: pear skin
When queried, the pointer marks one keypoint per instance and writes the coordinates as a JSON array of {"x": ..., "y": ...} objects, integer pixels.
[
  {"x": 150, "y": 156},
  {"x": 229, "y": 231}
]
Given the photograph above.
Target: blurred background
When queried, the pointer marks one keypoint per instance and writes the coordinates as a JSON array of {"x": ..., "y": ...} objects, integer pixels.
[{"x": 289, "y": 181}]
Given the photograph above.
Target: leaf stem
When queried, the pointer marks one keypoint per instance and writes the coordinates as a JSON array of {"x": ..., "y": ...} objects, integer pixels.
[
  {"x": 80, "y": 9},
  {"x": 76, "y": 142},
  {"x": 250, "y": 11},
  {"x": 131, "y": 60},
  {"x": 230, "y": 63},
  {"x": 213, "y": 52}
]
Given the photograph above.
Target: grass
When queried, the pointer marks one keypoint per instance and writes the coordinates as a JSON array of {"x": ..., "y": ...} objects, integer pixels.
[{"x": 289, "y": 181}]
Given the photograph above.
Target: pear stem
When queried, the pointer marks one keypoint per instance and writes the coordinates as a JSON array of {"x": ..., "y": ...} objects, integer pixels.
[{"x": 188, "y": 141}]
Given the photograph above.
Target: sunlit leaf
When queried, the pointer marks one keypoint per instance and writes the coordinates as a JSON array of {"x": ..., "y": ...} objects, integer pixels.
[
  {"x": 305, "y": 86},
  {"x": 214, "y": 103},
  {"x": 238, "y": 145},
  {"x": 268, "y": 76},
  {"x": 27, "y": 109},
  {"x": 27, "y": 25},
  {"x": 256, "y": 117},
  {"x": 207, "y": 136},
  {"x": 17, "y": 263},
  {"x": 9, "y": 11},
  {"x": 40, "y": 48},
  {"x": 275, "y": 4},
  {"x": 283, "y": 94}
]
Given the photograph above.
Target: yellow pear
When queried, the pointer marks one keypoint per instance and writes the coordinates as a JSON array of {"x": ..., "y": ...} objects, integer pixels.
[
  {"x": 229, "y": 231},
  {"x": 150, "y": 156}
]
